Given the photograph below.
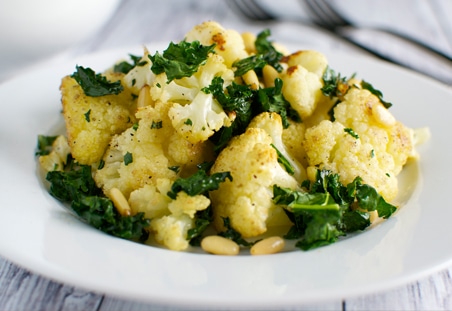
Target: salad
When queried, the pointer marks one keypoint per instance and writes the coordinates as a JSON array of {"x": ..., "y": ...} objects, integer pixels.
[{"x": 221, "y": 138}]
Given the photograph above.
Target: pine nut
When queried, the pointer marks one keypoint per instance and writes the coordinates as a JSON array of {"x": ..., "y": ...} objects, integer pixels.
[
  {"x": 120, "y": 202},
  {"x": 251, "y": 79},
  {"x": 270, "y": 74},
  {"x": 219, "y": 245},
  {"x": 267, "y": 246},
  {"x": 248, "y": 39},
  {"x": 144, "y": 97}
]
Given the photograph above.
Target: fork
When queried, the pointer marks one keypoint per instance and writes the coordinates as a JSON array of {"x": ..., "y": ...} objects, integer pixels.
[{"x": 416, "y": 55}]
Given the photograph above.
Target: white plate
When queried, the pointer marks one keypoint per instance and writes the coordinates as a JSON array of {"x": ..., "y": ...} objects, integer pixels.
[{"x": 36, "y": 233}]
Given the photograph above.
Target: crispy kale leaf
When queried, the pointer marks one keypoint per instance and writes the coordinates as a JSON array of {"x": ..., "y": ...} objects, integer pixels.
[
  {"x": 271, "y": 99},
  {"x": 202, "y": 221},
  {"x": 252, "y": 62},
  {"x": 233, "y": 235},
  {"x": 334, "y": 85},
  {"x": 266, "y": 54},
  {"x": 95, "y": 85},
  {"x": 267, "y": 49},
  {"x": 125, "y": 67},
  {"x": 367, "y": 86},
  {"x": 198, "y": 183},
  {"x": 246, "y": 103},
  {"x": 77, "y": 187},
  {"x": 44, "y": 146},
  {"x": 181, "y": 59},
  {"x": 328, "y": 210}
]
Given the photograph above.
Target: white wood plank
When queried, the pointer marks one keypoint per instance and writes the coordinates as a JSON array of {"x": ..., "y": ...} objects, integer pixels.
[
  {"x": 114, "y": 304},
  {"x": 432, "y": 293},
  {"x": 22, "y": 290}
]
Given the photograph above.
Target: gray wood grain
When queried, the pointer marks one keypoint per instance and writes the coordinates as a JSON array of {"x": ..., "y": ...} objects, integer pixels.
[{"x": 140, "y": 21}]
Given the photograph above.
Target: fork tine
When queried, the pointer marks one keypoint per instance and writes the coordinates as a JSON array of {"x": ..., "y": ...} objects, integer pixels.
[
  {"x": 250, "y": 9},
  {"x": 324, "y": 15}
]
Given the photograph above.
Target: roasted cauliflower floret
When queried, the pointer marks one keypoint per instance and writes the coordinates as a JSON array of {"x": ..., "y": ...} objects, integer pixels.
[
  {"x": 229, "y": 43},
  {"x": 57, "y": 158},
  {"x": 194, "y": 114},
  {"x": 171, "y": 230},
  {"x": 364, "y": 140},
  {"x": 247, "y": 199},
  {"x": 151, "y": 199},
  {"x": 303, "y": 81},
  {"x": 272, "y": 124},
  {"x": 140, "y": 75},
  {"x": 92, "y": 121},
  {"x": 140, "y": 156},
  {"x": 313, "y": 61}
]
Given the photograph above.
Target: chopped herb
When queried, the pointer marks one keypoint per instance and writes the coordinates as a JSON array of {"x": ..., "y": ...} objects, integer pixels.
[
  {"x": 101, "y": 165},
  {"x": 372, "y": 153},
  {"x": 266, "y": 54},
  {"x": 158, "y": 85},
  {"x": 272, "y": 99},
  {"x": 95, "y": 85},
  {"x": 44, "y": 145},
  {"x": 232, "y": 234},
  {"x": 125, "y": 67},
  {"x": 135, "y": 126},
  {"x": 333, "y": 84},
  {"x": 181, "y": 59},
  {"x": 188, "y": 122},
  {"x": 156, "y": 125},
  {"x": 267, "y": 49},
  {"x": 128, "y": 158},
  {"x": 202, "y": 221},
  {"x": 246, "y": 103},
  {"x": 284, "y": 162},
  {"x": 367, "y": 86},
  {"x": 351, "y": 132},
  {"x": 87, "y": 116},
  {"x": 250, "y": 63},
  {"x": 198, "y": 183}
]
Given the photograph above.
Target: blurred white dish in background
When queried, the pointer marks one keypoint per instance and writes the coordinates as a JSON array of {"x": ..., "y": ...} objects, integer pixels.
[{"x": 31, "y": 31}]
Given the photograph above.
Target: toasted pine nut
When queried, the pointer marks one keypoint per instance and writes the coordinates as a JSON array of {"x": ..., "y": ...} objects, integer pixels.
[
  {"x": 270, "y": 74},
  {"x": 270, "y": 245},
  {"x": 219, "y": 245},
  {"x": 251, "y": 79},
  {"x": 120, "y": 202},
  {"x": 144, "y": 97},
  {"x": 248, "y": 39}
]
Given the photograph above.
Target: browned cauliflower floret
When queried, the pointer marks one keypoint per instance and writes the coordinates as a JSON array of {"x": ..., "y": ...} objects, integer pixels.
[
  {"x": 171, "y": 228},
  {"x": 56, "y": 159},
  {"x": 229, "y": 43},
  {"x": 247, "y": 199},
  {"x": 303, "y": 81},
  {"x": 92, "y": 121},
  {"x": 140, "y": 155},
  {"x": 364, "y": 140}
]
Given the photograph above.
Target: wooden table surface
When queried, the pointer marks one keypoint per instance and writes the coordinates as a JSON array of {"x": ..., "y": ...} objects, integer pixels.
[{"x": 140, "y": 22}]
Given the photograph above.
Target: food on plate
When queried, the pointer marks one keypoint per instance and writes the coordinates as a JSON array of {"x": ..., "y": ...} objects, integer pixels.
[{"x": 221, "y": 138}]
